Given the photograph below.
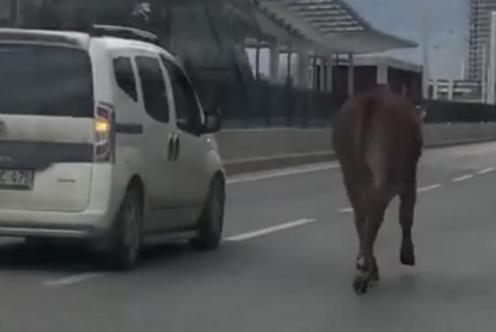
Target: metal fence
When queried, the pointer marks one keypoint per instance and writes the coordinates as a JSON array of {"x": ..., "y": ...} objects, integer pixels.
[
  {"x": 261, "y": 104},
  {"x": 458, "y": 112}
]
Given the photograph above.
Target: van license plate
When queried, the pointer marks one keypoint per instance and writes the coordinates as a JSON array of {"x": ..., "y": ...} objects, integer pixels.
[{"x": 16, "y": 179}]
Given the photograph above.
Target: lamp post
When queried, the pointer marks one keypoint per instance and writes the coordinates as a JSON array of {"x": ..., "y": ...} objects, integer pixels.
[
  {"x": 18, "y": 4},
  {"x": 426, "y": 31},
  {"x": 490, "y": 65}
]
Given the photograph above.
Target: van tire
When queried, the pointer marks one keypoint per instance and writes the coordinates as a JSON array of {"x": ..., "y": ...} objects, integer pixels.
[
  {"x": 126, "y": 235},
  {"x": 212, "y": 218}
]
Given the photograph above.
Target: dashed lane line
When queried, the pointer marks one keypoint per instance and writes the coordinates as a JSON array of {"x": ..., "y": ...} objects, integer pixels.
[
  {"x": 429, "y": 188},
  {"x": 281, "y": 173},
  {"x": 486, "y": 170},
  {"x": 463, "y": 178},
  {"x": 74, "y": 279},
  {"x": 269, "y": 230}
]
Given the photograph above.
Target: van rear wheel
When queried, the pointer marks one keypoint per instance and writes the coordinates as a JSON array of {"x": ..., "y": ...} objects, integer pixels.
[
  {"x": 125, "y": 239},
  {"x": 212, "y": 219}
]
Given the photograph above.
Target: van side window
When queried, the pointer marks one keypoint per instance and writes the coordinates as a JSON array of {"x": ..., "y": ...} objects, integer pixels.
[
  {"x": 154, "y": 88},
  {"x": 188, "y": 112},
  {"x": 124, "y": 75}
]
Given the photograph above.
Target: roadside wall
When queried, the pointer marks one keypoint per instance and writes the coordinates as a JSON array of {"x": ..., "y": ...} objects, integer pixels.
[{"x": 264, "y": 149}]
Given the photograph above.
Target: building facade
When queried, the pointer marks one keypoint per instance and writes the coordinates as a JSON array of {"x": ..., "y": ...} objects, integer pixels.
[{"x": 479, "y": 30}]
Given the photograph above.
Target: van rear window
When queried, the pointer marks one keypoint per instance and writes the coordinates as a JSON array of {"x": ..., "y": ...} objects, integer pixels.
[{"x": 45, "y": 80}]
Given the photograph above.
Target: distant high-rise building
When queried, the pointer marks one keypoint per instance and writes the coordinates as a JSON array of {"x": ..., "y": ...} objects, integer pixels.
[{"x": 479, "y": 31}]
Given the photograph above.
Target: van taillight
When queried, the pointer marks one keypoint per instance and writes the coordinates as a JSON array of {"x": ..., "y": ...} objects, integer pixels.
[{"x": 104, "y": 128}]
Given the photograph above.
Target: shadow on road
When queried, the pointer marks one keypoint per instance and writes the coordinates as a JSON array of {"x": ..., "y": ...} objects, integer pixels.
[
  {"x": 44, "y": 257},
  {"x": 72, "y": 259}
]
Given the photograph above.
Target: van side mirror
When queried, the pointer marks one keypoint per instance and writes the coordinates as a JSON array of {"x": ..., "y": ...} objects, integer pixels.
[
  {"x": 213, "y": 122},
  {"x": 421, "y": 111}
]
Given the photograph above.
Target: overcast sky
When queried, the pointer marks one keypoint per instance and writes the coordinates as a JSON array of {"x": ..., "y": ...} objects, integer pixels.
[{"x": 404, "y": 18}]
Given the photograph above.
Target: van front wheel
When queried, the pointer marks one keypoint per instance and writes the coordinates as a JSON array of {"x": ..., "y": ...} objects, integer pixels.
[{"x": 212, "y": 219}]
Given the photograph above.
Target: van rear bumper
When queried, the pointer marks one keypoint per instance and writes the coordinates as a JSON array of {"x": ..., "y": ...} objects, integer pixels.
[{"x": 83, "y": 225}]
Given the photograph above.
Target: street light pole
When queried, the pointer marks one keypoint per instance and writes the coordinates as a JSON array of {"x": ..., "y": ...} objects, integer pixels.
[
  {"x": 490, "y": 66},
  {"x": 426, "y": 31},
  {"x": 484, "y": 74},
  {"x": 18, "y": 13}
]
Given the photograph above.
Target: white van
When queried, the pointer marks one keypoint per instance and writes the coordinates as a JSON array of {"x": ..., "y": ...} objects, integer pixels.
[{"x": 103, "y": 138}]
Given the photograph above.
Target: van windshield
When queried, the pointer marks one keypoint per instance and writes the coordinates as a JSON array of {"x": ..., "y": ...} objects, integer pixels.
[{"x": 45, "y": 81}]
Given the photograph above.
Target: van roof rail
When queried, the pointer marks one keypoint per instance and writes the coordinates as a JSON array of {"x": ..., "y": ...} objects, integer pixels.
[{"x": 99, "y": 30}]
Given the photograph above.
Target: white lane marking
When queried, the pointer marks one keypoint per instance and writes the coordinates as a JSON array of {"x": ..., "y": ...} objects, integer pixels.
[
  {"x": 280, "y": 173},
  {"x": 486, "y": 170},
  {"x": 269, "y": 230},
  {"x": 463, "y": 178},
  {"x": 74, "y": 279},
  {"x": 429, "y": 188},
  {"x": 346, "y": 210}
]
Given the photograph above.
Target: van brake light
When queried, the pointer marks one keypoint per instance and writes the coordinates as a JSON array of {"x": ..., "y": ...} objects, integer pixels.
[{"x": 104, "y": 129}]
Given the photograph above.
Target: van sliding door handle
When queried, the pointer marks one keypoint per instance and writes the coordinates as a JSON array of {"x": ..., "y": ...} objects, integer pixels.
[
  {"x": 177, "y": 147},
  {"x": 170, "y": 148}
]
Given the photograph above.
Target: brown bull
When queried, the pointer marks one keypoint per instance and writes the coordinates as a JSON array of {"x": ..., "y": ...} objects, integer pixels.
[{"x": 378, "y": 141}]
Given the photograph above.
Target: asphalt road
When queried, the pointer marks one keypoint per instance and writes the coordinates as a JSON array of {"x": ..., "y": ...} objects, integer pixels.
[{"x": 286, "y": 264}]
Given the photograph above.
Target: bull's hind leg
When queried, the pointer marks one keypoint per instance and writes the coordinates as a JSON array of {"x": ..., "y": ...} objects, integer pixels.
[
  {"x": 355, "y": 191},
  {"x": 357, "y": 203},
  {"x": 407, "y": 210},
  {"x": 367, "y": 269}
]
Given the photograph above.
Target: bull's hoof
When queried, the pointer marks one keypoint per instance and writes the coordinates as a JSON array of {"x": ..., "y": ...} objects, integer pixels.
[
  {"x": 360, "y": 285},
  {"x": 407, "y": 256}
]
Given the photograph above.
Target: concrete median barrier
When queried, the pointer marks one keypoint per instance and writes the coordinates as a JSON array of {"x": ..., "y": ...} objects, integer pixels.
[
  {"x": 458, "y": 133},
  {"x": 254, "y": 150}
]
